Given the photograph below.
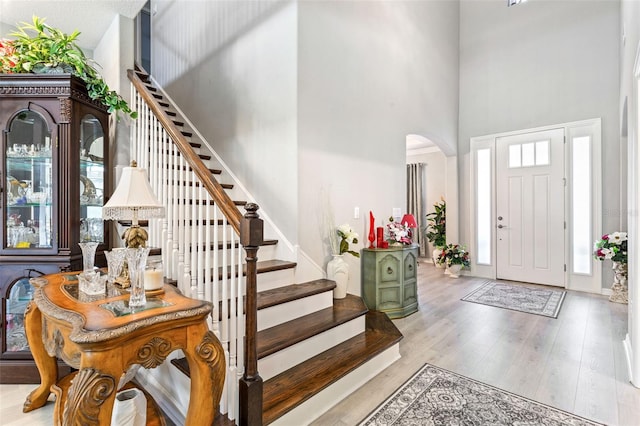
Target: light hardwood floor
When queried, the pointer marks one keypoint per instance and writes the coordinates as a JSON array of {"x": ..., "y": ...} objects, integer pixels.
[{"x": 575, "y": 363}]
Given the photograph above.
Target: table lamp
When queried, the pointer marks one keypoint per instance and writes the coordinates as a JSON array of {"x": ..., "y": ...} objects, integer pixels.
[{"x": 133, "y": 200}]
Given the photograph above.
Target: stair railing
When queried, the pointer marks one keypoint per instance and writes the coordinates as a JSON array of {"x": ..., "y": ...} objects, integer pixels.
[{"x": 202, "y": 239}]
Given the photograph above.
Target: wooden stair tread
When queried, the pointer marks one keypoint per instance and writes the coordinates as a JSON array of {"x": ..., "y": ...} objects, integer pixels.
[
  {"x": 287, "y": 334},
  {"x": 274, "y": 265},
  {"x": 212, "y": 171},
  {"x": 211, "y": 202},
  {"x": 263, "y": 267},
  {"x": 291, "y": 388},
  {"x": 293, "y": 292},
  {"x": 221, "y": 245}
]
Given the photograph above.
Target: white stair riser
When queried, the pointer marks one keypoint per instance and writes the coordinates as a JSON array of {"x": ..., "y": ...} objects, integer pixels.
[
  {"x": 320, "y": 403},
  {"x": 274, "y": 315},
  {"x": 280, "y": 361},
  {"x": 275, "y": 279}
]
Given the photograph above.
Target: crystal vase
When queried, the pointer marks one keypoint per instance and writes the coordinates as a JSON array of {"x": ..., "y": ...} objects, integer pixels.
[
  {"x": 88, "y": 255},
  {"x": 137, "y": 261}
]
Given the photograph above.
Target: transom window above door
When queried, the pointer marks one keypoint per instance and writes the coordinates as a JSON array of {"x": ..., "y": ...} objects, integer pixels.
[{"x": 529, "y": 154}]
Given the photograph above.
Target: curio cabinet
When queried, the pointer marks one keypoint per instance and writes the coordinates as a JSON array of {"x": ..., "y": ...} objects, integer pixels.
[{"x": 53, "y": 182}]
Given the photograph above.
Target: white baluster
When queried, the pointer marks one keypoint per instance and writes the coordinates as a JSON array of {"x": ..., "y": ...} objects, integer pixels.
[
  {"x": 164, "y": 236},
  {"x": 168, "y": 244},
  {"x": 216, "y": 275},
  {"x": 193, "y": 252},
  {"x": 178, "y": 223},
  {"x": 186, "y": 246},
  {"x": 182, "y": 277},
  {"x": 207, "y": 254},
  {"x": 202, "y": 228}
]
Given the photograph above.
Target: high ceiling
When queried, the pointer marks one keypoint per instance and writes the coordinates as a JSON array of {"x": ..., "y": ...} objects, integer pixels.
[{"x": 91, "y": 17}]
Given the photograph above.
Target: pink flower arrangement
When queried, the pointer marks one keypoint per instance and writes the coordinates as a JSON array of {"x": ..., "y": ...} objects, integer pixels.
[{"x": 7, "y": 56}]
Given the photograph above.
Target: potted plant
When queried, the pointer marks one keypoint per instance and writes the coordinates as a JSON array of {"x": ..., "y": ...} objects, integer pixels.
[
  {"x": 455, "y": 257},
  {"x": 614, "y": 247},
  {"x": 436, "y": 231},
  {"x": 40, "y": 48}
]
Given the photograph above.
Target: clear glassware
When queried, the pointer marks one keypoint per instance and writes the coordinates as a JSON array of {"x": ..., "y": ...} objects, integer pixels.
[
  {"x": 115, "y": 262},
  {"x": 137, "y": 260},
  {"x": 91, "y": 282},
  {"x": 88, "y": 255}
]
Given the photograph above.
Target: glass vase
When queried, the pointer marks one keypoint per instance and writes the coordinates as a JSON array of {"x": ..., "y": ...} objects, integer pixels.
[
  {"x": 115, "y": 262},
  {"x": 88, "y": 255},
  {"x": 137, "y": 260}
]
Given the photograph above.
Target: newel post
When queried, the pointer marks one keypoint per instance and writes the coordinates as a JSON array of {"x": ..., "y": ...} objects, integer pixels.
[{"x": 251, "y": 237}]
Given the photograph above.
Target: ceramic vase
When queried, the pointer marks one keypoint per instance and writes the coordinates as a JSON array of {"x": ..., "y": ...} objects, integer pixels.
[
  {"x": 435, "y": 255},
  {"x": 338, "y": 271},
  {"x": 619, "y": 289},
  {"x": 454, "y": 271}
]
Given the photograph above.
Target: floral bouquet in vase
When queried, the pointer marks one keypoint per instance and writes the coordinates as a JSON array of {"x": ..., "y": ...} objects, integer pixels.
[
  {"x": 398, "y": 233},
  {"x": 611, "y": 246},
  {"x": 614, "y": 247},
  {"x": 338, "y": 268}
]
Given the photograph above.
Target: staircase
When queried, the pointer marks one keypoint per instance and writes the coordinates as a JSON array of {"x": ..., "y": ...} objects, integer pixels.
[{"x": 309, "y": 349}]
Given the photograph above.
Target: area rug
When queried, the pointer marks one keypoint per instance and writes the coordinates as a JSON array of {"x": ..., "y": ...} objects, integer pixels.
[
  {"x": 539, "y": 301},
  {"x": 434, "y": 396}
]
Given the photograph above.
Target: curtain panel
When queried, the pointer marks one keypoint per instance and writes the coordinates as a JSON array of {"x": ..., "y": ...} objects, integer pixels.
[{"x": 416, "y": 187}]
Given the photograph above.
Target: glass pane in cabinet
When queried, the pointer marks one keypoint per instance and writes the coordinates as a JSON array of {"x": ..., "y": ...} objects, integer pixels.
[
  {"x": 19, "y": 297},
  {"x": 92, "y": 175},
  {"x": 29, "y": 183}
]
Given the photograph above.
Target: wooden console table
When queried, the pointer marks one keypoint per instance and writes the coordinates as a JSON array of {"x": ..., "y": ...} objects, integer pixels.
[{"x": 101, "y": 337}]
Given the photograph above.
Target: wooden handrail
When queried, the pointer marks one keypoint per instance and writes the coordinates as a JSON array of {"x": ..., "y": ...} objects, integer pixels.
[{"x": 212, "y": 186}]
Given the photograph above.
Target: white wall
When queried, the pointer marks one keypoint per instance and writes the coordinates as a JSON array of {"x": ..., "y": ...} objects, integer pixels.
[
  {"x": 231, "y": 67},
  {"x": 540, "y": 63},
  {"x": 369, "y": 74},
  {"x": 630, "y": 46},
  {"x": 308, "y": 98}
]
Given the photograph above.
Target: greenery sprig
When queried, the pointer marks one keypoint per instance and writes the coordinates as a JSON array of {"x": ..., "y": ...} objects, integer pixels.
[{"x": 38, "y": 48}]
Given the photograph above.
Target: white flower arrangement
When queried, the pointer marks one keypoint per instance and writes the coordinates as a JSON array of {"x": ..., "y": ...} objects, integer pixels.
[{"x": 347, "y": 236}]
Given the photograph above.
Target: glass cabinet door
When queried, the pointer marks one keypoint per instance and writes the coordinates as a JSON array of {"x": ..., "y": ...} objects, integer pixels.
[
  {"x": 17, "y": 300},
  {"x": 92, "y": 176},
  {"x": 29, "y": 183}
]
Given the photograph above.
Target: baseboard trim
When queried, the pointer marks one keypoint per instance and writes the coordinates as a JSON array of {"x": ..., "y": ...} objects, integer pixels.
[{"x": 628, "y": 351}]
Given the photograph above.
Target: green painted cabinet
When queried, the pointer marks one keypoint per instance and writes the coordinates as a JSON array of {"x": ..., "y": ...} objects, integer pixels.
[{"x": 389, "y": 280}]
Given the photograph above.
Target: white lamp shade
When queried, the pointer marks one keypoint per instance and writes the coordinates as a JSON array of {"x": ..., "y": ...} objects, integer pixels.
[{"x": 133, "y": 198}]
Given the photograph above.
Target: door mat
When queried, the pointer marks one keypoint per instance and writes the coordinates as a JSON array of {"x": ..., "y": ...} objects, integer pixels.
[{"x": 540, "y": 301}]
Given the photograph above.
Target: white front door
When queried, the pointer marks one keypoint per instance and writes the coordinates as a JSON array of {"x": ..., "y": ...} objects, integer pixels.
[{"x": 530, "y": 207}]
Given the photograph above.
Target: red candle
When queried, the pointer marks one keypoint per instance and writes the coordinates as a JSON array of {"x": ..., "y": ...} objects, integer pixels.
[{"x": 380, "y": 231}]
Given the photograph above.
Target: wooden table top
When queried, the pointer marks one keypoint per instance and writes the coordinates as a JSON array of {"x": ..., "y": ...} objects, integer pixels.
[{"x": 101, "y": 318}]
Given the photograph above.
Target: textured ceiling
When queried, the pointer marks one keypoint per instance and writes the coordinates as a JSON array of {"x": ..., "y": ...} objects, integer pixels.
[{"x": 90, "y": 17}]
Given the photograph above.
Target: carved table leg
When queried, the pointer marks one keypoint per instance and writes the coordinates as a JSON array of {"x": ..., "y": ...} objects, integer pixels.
[
  {"x": 205, "y": 356},
  {"x": 47, "y": 365},
  {"x": 89, "y": 391},
  {"x": 92, "y": 393}
]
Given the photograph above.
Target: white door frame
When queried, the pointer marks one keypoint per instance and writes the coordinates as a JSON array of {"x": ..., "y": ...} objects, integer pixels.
[{"x": 590, "y": 281}]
